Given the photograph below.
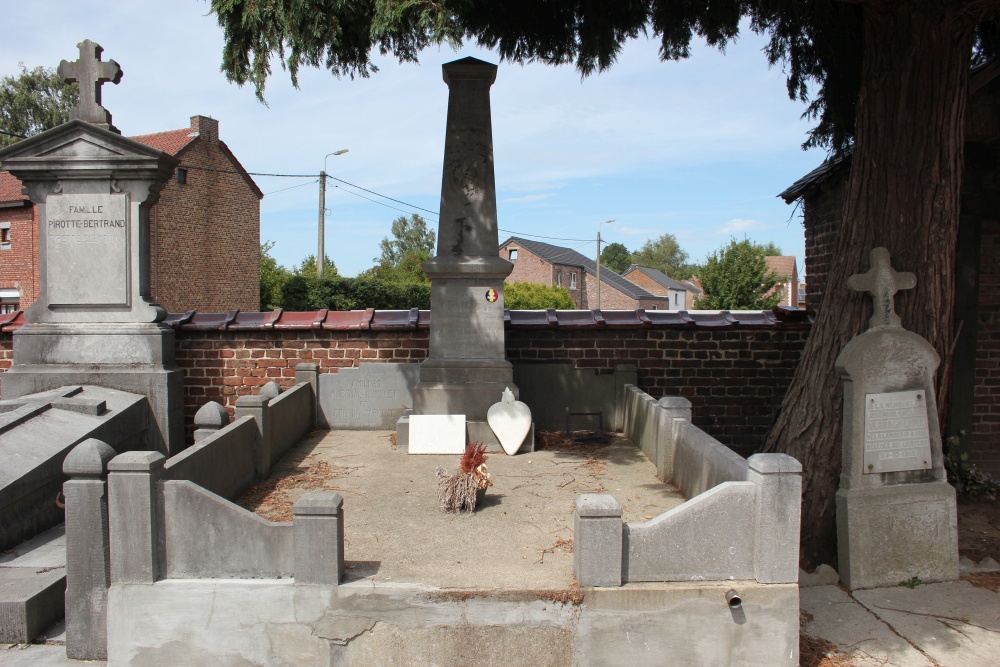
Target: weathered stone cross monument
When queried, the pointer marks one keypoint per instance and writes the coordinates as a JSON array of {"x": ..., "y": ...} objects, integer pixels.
[
  {"x": 896, "y": 514},
  {"x": 94, "y": 322},
  {"x": 91, "y": 74}
]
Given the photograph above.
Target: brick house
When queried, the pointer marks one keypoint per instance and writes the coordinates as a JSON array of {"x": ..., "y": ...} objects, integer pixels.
[
  {"x": 974, "y": 417},
  {"x": 788, "y": 288},
  {"x": 204, "y": 230},
  {"x": 546, "y": 264},
  {"x": 679, "y": 295}
]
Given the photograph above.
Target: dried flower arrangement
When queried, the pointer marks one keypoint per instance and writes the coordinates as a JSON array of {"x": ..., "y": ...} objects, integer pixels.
[{"x": 459, "y": 492}]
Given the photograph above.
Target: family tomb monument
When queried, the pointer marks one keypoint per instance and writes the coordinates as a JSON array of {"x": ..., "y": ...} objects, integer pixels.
[{"x": 94, "y": 322}]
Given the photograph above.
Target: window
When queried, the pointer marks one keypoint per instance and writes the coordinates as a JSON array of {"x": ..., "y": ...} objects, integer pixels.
[
  {"x": 10, "y": 300},
  {"x": 4, "y": 235},
  {"x": 677, "y": 298},
  {"x": 559, "y": 279},
  {"x": 512, "y": 254},
  {"x": 572, "y": 281},
  {"x": 182, "y": 176}
]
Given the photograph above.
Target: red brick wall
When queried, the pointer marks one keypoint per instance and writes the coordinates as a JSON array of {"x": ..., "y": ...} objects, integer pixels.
[
  {"x": 823, "y": 209},
  {"x": 18, "y": 269},
  {"x": 986, "y": 411},
  {"x": 205, "y": 233},
  {"x": 735, "y": 378}
]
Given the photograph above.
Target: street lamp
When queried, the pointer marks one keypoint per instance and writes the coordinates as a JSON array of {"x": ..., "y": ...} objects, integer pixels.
[
  {"x": 605, "y": 222},
  {"x": 321, "y": 255}
]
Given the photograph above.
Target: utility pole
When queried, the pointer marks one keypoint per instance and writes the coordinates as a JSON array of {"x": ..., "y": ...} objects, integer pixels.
[
  {"x": 321, "y": 250},
  {"x": 320, "y": 255},
  {"x": 599, "y": 261}
]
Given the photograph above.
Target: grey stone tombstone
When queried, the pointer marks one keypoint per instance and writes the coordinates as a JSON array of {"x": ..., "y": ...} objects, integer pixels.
[
  {"x": 94, "y": 321},
  {"x": 466, "y": 370},
  {"x": 896, "y": 514}
]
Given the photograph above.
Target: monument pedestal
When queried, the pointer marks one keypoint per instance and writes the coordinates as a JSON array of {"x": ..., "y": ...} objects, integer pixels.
[
  {"x": 891, "y": 534},
  {"x": 137, "y": 358}
]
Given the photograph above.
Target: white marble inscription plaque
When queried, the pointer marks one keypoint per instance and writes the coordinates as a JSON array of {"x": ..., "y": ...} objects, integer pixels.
[
  {"x": 437, "y": 434},
  {"x": 87, "y": 249},
  {"x": 897, "y": 437}
]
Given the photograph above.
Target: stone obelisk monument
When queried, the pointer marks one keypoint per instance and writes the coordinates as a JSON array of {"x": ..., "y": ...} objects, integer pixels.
[
  {"x": 466, "y": 370},
  {"x": 94, "y": 321}
]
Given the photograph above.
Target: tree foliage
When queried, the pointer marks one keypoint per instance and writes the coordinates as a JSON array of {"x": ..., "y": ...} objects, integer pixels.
[
  {"x": 272, "y": 278},
  {"x": 736, "y": 277},
  {"x": 307, "y": 267},
  {"x": 409, "y": 235},
  {"x": 616, "y": 257},
  {"x": 402, "y": 256},
  {"x": 665, "y": 254},
  {"x": 535, "y": 296},
  {"x": 32, "y": 102},
  {"x": 302, "y": 292}
]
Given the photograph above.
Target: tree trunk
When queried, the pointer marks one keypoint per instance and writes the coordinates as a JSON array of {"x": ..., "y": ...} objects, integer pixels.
[{"x": 903, "y": 194}]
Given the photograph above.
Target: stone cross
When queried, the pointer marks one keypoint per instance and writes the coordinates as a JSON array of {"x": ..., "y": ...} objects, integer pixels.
[
  {"x": 91, "y": 73},
  {"x": 882, "y": 283}
]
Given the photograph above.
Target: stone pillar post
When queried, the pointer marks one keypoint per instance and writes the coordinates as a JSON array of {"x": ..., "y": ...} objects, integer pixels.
[
  {"x": 257, "y": 407},
  {"x": 309, "y": 372},
  {"x": 319, "y": 538},
  {"x": 625, "y": 374},
  {"x": 597, "y": 539},
  {"x": 779, "y": 504},
  {"x": 672, "y": 407},
  {"x": 134, "y": 516},
  {"x": 209, "y": 419},
  {"x": 88, "y": 554}
]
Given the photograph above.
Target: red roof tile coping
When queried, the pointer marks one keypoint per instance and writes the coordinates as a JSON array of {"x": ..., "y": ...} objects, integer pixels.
[{"x": 354, "y": 320}]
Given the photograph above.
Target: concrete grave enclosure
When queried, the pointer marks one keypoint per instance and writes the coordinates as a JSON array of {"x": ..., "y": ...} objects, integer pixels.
[{"x": 162, "y": 567}]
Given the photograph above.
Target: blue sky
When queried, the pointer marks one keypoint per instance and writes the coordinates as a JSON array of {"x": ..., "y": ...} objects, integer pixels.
[{"x": 698, "y": 148}]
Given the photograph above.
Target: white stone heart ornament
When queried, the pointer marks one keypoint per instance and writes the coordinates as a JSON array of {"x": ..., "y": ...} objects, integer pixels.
[{"x": 510, "y": 421}]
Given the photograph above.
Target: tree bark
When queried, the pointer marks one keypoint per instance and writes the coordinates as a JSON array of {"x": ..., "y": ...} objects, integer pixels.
[{"x": 903, "y": 194}]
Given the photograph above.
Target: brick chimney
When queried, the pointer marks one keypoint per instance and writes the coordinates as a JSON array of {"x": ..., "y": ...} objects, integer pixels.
[{"x": 205, "y": 127}]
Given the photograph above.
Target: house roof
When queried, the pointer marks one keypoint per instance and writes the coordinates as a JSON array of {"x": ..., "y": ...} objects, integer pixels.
[
  {"x": 657, "y": 275},
  {"x": 172, "y": 142},
  {"x": 783, "y": 265},
  {"x": 558, "y": 255},
  {"x": 693, "y": 285},
  {"x": 821, "y": 173},
  {"x": 10, "y": 188}
]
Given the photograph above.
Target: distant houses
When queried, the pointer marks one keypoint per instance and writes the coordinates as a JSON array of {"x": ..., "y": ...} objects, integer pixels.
[
  {"x": 681, "y": 294},
  {"x": 546, "y": 264},
  {"x": 637, "y": 286}
]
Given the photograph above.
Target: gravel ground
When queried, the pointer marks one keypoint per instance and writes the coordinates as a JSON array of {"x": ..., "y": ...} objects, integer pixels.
[{"x": 519, "y": 538}]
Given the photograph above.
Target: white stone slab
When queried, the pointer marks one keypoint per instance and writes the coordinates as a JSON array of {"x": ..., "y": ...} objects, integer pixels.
[
  {"x": 437, "y": 434},
  {"x": 897, "y": 437},
  {"x": 87, "y": 241}
]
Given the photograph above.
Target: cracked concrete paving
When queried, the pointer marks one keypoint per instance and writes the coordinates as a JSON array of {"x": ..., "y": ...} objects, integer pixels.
[{"x": 950, "y": 624}]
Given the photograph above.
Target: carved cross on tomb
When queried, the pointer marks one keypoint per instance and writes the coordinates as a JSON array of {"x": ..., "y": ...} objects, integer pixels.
[
  {"x": 882, "y": 283},
  {"x": 91, "y": 73}
]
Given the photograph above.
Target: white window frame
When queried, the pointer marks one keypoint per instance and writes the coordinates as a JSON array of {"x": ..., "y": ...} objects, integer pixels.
[
  {"x": 572, "y": 279},
  {"x": 5, "y": 245}
]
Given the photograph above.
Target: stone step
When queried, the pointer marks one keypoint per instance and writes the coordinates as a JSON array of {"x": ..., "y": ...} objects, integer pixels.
[{"x": 32, "y": 586}]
